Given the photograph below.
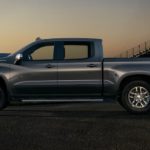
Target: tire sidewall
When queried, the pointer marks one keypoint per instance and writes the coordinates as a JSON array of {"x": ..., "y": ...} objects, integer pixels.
[{"x": 3, "y": 99}]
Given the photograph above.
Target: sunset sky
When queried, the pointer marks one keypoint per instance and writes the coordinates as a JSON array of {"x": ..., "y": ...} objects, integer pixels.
[{"x": 121, "y": 24}]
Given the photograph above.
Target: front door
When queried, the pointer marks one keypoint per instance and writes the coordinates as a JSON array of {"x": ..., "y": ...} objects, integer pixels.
[{"x": 38, "y": 75}]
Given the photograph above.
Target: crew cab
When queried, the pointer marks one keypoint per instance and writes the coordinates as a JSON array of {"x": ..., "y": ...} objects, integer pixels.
[{"x": 74, "y": 70}]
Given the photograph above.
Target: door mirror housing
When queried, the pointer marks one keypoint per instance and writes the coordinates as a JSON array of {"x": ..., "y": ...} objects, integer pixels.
[{"x": 18, "y": 58}]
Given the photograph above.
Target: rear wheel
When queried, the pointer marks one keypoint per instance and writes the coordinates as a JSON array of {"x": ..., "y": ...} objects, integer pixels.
[
  {"x": 3, "y": 99},
  {"x": 136, "y": 97}
]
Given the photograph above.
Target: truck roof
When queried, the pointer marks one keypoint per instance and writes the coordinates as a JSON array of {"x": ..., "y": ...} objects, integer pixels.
[{"x": 71, "y": 39}]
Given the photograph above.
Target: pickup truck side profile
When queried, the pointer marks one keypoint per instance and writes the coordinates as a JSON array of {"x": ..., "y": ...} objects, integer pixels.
[{"x": 74, "y": 70}]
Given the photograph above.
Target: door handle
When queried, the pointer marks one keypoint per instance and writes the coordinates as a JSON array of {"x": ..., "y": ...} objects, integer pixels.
[
  {"x": 92, "y": 65},
  {"x": 50, "y": 66}
]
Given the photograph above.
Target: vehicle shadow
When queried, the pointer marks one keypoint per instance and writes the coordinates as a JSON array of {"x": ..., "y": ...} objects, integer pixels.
[{"x": 73, "y": 111}]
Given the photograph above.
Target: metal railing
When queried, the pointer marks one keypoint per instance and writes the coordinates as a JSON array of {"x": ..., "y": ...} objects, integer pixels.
[{"x": 138, "y": 51}]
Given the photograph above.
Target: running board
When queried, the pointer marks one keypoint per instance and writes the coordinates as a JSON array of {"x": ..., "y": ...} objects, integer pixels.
[{"x": 62, "y": 100}]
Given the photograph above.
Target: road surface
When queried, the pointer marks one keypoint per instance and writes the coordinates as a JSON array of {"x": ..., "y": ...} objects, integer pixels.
[{"x": 72, "y": 126}]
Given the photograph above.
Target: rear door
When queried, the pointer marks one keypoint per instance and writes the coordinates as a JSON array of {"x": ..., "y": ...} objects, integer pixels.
[{"x": 79, "y": 74}]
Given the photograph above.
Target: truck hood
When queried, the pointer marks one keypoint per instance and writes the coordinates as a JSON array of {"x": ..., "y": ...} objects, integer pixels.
[{"x": 4, "y": 55}]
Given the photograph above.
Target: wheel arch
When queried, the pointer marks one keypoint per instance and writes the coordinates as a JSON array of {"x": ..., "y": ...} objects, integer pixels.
[
  {"x": 3, "y": 84},
  {"x": 130, "y": 78}
]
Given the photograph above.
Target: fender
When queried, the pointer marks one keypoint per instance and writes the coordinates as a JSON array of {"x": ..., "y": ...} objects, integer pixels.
[{"x": 132, "y": 76}]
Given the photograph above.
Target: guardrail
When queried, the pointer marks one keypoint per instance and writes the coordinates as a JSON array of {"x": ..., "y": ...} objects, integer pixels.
[{"x": 138, "y": 51}]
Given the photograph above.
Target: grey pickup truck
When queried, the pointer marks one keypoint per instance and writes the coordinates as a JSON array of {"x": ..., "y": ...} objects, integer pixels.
[{"x": 74, "y": 70}]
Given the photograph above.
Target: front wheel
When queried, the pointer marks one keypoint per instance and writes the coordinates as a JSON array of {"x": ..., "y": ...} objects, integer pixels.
[
  {"x": 136, "y": 97},
  {"x": 3, "y": 99}
]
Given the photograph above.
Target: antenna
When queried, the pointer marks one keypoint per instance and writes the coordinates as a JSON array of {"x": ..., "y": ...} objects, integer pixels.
[{"x": 37, "y": 39}]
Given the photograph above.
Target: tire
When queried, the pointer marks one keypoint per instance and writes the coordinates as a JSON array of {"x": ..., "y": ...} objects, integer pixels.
[
  {"x": 135, "y": 97},
  {"x": 3, "y": 99}
]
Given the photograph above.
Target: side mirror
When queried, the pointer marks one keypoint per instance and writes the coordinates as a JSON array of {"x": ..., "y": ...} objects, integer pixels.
[{"x": 18, "y": 58}]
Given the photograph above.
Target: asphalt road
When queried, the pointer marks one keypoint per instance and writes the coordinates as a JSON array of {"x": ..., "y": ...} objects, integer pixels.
[{"x": 73, "y": 127}]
